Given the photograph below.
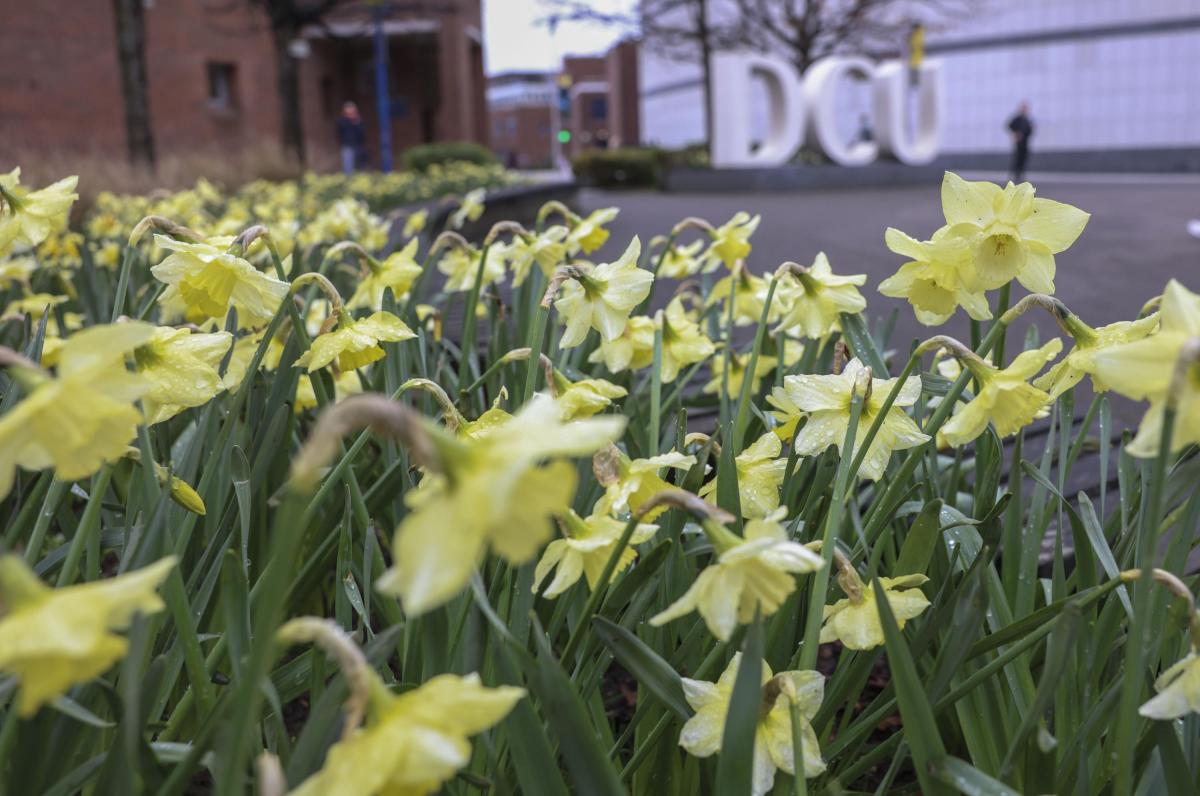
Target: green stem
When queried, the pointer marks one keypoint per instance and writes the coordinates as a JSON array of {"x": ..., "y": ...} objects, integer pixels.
[
  {"x": 593, "y": 600},
  {"x": 743, "y": 408},
  {"x": 54, "y": 496},
  {"x": 654, "y": 435},
  {"x": 122, "y": 283},
  {"x": 537, "y": 342},
  {"x": 89, "y": 523},
  {"x": 469, "y": 322}
]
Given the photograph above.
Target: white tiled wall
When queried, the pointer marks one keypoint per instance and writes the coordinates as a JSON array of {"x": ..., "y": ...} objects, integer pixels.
[{"x": 1128, "y": 91}]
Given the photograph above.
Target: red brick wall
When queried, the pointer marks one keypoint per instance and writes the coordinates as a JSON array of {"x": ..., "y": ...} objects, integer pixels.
[{"x": 521, "y": 136}]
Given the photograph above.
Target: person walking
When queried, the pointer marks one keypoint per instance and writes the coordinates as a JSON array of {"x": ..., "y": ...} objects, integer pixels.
[
  {"x": 351, "y": 136},
  {"x": 1021, "y": 128}
]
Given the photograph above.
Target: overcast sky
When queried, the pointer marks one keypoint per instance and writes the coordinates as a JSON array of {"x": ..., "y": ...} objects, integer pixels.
[{"x": 515, "y": 42}]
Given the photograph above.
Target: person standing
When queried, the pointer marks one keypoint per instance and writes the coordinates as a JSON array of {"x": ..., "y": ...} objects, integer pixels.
[
  {"x": 352, "y": 137},
  {"x": 1021, "y": 128}
]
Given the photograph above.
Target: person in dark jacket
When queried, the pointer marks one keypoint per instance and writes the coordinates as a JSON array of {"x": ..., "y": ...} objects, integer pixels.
[
  {"x": 351, "y": 137},
  {"x": 1021, "y": 128}
]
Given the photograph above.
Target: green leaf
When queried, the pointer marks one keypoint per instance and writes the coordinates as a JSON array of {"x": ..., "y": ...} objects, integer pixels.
[
  {"x": 586, "y": 758},
  {"x": 735, "y": 766},
  {"x": 922, "y": 538},
  {"x": 921, "y": 730},
  {"x": 646, "y": 666},
  {"x": 854, "y": 329},
  {"x": 966, "y": 779},
  {"x": 69, "y": 707}
]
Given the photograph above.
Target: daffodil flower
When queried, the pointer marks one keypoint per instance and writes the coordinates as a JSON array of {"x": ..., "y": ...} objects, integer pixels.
[
  {"x": 683, "y": 341},
  {"x": 760, "y": 473},
  {"x": 680, "y": 262},
  {"x": 826, "y": 399},
  {"x": 547, "y": 249},
  {"x": 854, "y": 621},
  {"x": 585, "y": 549},
  {"x": 774, "y": 747},
  {"x": 749, "y": 293},
  {"x": 345, "y": 384},
  {"x": 415, "y": 223},
  {"x": 28, "y": 217},
  {"x": 601, "y": 298},
  {"x": 53, "y": 639},
  {"x": 461, "y": 266},
  {"x": 1178, "y": 691},
  {"x": 411, "y": 743},
  {"x": 397, "y": 272},
  {"x": 739, "y": 364},
  {"x": 33, "y": 305},
  {"x": 470, "y": 209},
  {"x": 355, "y": 342},
  {"x": 1081, "y": 360},
  {"x": 633, "y": 348},
  {"x": 493, "y": 491},
  {"x": 1012, "y": 233},
  {"x": 82, "y": 417},
  {"x": 731, "y": 241},
  {"x": 786, "y": 412},
  {"x": 752, "y": 575},
  {"x": 1005, "y": 397},
  {"x": 1143, "y": 369},
  {"x": 629, "y": 484},
  {"x": 814, "y": 298},
  {"x": 938, "y": 279},
  {"x": 206, "y": 280},
  {"x": 588, "y": 234},
  {"x": 585, "y": 397},
  {"x": 182, "y": 368}
]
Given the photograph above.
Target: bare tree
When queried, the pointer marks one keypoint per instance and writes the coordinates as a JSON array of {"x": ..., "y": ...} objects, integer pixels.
[
  {"x": 135, "y": 92},
  {"x": 287, "y": 18}
]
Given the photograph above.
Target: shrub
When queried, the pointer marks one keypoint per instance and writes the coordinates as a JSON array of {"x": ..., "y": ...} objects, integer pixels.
[
  {"x": 420, "y": 158},
  {"x": 626, "y": 167}
]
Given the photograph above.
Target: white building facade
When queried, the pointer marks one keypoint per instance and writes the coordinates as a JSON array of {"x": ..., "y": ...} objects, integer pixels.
[{"x": 1112, "y": 84}]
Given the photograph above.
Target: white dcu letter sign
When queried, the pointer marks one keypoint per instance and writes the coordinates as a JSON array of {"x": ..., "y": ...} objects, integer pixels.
[
  {"x": 795, "y": 103},
  {"x": 731, "y": 76}
]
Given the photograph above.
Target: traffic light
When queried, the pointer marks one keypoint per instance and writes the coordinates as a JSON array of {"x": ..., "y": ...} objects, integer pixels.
[{"x": 564, "y": 136}]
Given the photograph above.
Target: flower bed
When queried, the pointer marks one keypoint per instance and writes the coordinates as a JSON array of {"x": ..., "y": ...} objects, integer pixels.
[{"x": 269, "y": 516}]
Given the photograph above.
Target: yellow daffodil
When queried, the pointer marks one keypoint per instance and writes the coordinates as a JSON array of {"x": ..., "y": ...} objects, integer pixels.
[
  {"x": 355, "y": 342},
  {"x": 207, "y": 280},
  {"x": 680, "y": 262},
  {"x": 29, "y": 217},
  {"x": 1081, "y": 360},
  {"x": 749, "y": 293},
  {"x": 470, "y": 209},
  {"x": 415, "y": 223},
  {"x": 731, "y": 241},
  {"x": 854, "y": 621},
  {"x": 683, "y": 341},
  {"x": 773, "y": 743},
  {"x": 629, "y": 484},
  {"x": 461, "y": 267},
  {"x": 1012, "y": 233},
  {"x": 1143, "y": 369},
  {"x": 34, "y": 305},
  {"x": 1005, "y": 397},
  {"x": 751, "y": 575},
  {"x": 826, "y": 399},
  {"x": 939, "y": 277},
  {"x": 16, "y": 270},
  {"x": 813, "y": 299},
  {"x": 547, "y": 249},
  {"x": 633, "y": 348},
  {"x": 398, "y": 272},
  {"x": 1178, "y": 691},
  {"x": 589, "y": 234},
  {"x": 345, "y": 384},
  {"x": 585, "y": 397},
  {"x": 739, "y": 364},
  {"x": 80, "y": 418},
  {"x": 601, "y": 298},
  {"x": 786, "y": 412},
  {"x": 760, "y": 472},
  {"x": 585, "y": 549},
  {"x": 412, "y": 743},
  {"x": 53, "y": 639},
  {"x": 182, "y": 369},
  {"x": 107, "y": 255},
  {"x": 496, "y": 491}
]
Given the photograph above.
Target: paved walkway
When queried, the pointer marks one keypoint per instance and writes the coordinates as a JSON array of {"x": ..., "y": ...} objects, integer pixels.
[{"x": 1136, "y": 240}]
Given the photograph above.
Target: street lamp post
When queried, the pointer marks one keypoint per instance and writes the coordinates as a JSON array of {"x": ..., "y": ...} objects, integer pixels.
[{"x": 382, "y": 99}]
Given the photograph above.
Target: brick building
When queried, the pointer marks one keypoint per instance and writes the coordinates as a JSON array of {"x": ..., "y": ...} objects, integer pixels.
[
  {"x": 212, "y": 76},
  {"x": 593, "y": 101}
]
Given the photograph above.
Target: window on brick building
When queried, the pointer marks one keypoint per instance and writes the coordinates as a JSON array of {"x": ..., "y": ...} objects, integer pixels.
[
  {"x": 222, "y": 86},
  {"x": 599, "y": 108}
]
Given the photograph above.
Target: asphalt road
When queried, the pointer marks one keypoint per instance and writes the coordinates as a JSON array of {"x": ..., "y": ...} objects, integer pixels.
[{"x": 1135, "y": 241}]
